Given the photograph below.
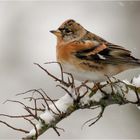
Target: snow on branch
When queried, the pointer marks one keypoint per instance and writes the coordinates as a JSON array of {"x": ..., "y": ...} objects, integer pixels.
[{"x": 46, "y": 112}]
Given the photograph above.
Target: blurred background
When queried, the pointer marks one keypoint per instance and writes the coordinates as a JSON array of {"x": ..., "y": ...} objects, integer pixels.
[{"x": 25, "y": 39}]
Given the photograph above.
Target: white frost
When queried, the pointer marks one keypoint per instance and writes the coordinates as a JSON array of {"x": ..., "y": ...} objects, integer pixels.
[
  {"x": 66, "y": 101},
  {"x": 62, "y": 104},
  {"x": 131, "y": 96},
  {"x": 136, "y": 81},
  {"x": 48, "y": 116},
  {"x": 127, "y": 82},
  {"x": 97, "y": 97},
  {"x": 33, "y": 132},
  {"x": 138, "y": 107}
]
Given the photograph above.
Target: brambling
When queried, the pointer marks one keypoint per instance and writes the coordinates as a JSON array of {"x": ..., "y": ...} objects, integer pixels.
[{"x": 89, "y": 57}]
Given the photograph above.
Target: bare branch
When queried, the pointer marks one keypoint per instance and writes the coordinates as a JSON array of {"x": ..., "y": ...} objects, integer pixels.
[
  {"x": 51, "y": 101},
  {"x": 98, "y": 117},
  {"x": 55, "y": 129},
  {"x": 20, "y": 116},
  {"x": 14, "y": 128},
  {"x": 61, "y": 69},
  {"x": 54, "y": 77},
  {"x": 65, "y": 90},
  {"x": 76, "y": 97},
  {"x": 36, "y": 131}
]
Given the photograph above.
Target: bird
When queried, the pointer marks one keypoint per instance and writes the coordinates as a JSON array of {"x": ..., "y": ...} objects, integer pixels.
[{"x": 89, "y": 57}]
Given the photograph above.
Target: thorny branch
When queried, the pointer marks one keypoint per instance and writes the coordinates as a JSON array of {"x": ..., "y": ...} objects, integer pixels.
[{"x": 77, "y": 97}]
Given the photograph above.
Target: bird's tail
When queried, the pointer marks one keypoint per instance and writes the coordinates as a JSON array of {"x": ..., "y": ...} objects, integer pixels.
[
  {"x": 123, "y": 56},
  {"x": 132, "y": 61}
]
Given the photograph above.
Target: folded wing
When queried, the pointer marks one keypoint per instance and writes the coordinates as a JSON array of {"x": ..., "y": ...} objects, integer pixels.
[{"x": 104, "y": 54}]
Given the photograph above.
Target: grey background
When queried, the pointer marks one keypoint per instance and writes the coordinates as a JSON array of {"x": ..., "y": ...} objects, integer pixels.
[{"x": 25, "y": 39}]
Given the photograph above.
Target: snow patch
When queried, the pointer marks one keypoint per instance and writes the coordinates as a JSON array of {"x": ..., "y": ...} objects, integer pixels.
[
  {"x": 59, "y": 106},
  {"x": 138, "y": 106},
  {"x": 33, "y": 132},
  {"x": 136, "y": 81},
  {"x": 97, "y": 97}
]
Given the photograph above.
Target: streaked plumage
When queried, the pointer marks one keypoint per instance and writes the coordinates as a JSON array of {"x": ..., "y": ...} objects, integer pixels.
[{"x": 88, "y": 56}]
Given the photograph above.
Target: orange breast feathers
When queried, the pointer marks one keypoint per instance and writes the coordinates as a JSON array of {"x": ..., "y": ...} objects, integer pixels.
[{"x": 65, "y": 52}]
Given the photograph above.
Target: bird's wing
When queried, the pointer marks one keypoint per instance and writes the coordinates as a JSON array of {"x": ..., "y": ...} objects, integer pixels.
[{"x": 105, "y": 54}]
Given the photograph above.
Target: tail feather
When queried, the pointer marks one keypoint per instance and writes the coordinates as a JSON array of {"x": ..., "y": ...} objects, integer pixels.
[
  {"x": 135, "y": 62},
  {"x": 121, "y": 55},
  {"x": 132, "y": 60}
]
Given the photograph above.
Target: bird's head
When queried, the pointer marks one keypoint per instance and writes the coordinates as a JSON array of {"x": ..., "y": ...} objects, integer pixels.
[{"x": 69, "y": 31}]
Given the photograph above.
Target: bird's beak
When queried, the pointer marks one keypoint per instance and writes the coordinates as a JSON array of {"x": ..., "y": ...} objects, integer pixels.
[{"x": 56, "y": 32}]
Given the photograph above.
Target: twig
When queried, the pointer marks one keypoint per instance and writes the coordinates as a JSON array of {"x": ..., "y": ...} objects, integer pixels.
[
  {"x": 53, "y": 114},
  {"x": 95, "y": 118},
  {"x": 55, "y": 129},
  {"x": 137, "y": 95},
  {"x": 72, "y": 82},
  {"x": 36, "y": 91},
  {"x": 30, "y": 98},
  {"x": 36, "y": 132},
  {"x": 52, "y": 102},
  {"x": 65, "y": 90},
  {"x": 14, "y": 128},
  {"x": 20, "y": 116},
  {"x": 54, "y": 77},
  {"x": 99, "y": 116},
  {"x": 61, "y": 69}
]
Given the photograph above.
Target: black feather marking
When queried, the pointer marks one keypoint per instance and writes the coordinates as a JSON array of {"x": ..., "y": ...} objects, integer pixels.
[
  {"x": 81, "y": 56},
  {"x": 105, "y": 52},
  {"x": 121, "y": 57},
  {"x": 95, "y": 57},
  {"x": 97, "y": 67}
]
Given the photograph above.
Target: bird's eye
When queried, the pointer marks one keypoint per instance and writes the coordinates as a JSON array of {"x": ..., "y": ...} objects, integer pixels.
[
  {"x": 67, "y": 30},
  {"x": 61, "y": 29}
]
